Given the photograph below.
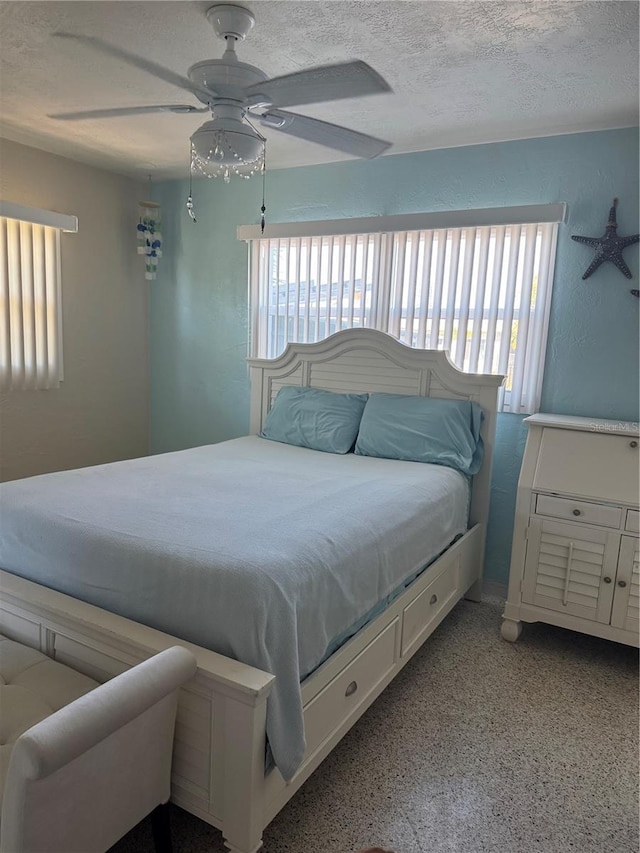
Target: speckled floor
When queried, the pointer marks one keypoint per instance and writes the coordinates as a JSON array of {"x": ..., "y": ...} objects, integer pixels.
[{"x": 478, "y": 745}]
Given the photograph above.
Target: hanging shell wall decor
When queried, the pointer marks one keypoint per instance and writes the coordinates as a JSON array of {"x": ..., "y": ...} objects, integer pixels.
[{"x": 149, "y": 237}]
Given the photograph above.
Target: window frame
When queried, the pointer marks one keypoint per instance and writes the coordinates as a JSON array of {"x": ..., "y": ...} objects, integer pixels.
[{"x": 398, "y": 229}]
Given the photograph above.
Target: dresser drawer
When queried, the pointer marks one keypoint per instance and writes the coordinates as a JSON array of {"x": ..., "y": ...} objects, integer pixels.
[
  {"x": 605, "y": 516},
  {"x": 589, "y": 464},
  {"x": 350, "y": 688},
  {"x": 632, "y": 523}
]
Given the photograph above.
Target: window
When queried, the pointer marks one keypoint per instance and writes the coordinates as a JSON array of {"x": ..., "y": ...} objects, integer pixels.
[
  {"x": 30, "y": 317},
  {"x": 480, "y": 291}
]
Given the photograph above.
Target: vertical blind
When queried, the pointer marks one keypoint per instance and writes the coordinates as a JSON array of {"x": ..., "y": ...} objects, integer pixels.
[
  {"x": 481, "y": 293},
  {"x": 30, "y": 340}
]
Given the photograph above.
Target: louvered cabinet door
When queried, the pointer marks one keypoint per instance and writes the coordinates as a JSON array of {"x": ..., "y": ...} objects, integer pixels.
[
  {"x": 626, "y": 601},
  {"x": 570, "y": 568}
]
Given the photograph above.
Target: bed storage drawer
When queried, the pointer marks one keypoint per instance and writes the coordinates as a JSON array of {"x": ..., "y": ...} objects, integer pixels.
[
  {"x": 350, "y": 687},
  {"x": 420, "y": 615},
  {"x": 605, "y": 516}
]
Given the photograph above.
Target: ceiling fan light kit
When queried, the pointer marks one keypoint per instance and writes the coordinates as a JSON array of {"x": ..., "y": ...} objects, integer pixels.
[{"x": 226, "y": 146}]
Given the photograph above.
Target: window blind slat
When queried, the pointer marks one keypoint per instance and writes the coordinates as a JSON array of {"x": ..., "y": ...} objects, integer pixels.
[
  {"x": 368, "y": 249},
  {"x": 287, "y": 289},
  {"x": 5, "y": 338},
  {"x": 411, "y": 290},
  {"x": 397, "y": 282},
  {"x": 257, "y": 302},
  {"x": 296, "y": 304},
  {"x": 267, "y": 293},
  {"x": 307, "y": 302},
  {"x": 15, "y": 304},
  {"x": 507, "y": 323},
  {"x": 424, "y": 288},
  {"x": 369, "y": 303},
  {"x": 478, "y": 308},
  {"x": 318, "y": 285},
  {"x": 465, "y": 295},
  {"x": 524, "y": 303},
  {"x": 271, "y": 248},
  {"x": 40, "y": 306},
  {"x": 451, "y": 291},
  {"x": 437, "y": 290},
  {"x": 342, "y": 278},
  {"x": 276, "y": 295},
  {"x": 329, "y": 286},
  {"x": 496, "y": 278},
  {"x": 28, "y": 304},
  {"x": 380, "y": 294},
  {"x": 355, "y": 249},
  {"x": 534, "y": 363},
  {"x": 325, "y": 287}
]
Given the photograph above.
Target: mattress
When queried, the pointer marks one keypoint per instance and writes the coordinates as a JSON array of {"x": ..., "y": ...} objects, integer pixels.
[{"x": 264, "y": 552}]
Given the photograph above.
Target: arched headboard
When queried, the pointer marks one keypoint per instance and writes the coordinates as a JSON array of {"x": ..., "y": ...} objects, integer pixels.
[{"x": 367, "y": 361}]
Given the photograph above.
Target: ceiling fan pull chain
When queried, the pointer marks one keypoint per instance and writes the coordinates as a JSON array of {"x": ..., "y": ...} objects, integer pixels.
[
  {"x": 190, "y": 209},
  {"x": 263, "y": 209}
]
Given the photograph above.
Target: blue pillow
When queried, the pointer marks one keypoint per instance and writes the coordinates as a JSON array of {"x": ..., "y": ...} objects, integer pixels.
[
  {"x": 311, "y": 417},
  {"x": 422, "y": 429}
]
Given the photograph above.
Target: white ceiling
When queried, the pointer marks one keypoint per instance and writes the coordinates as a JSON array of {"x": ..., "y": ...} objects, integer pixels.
[{"x": 462, "y": 72}]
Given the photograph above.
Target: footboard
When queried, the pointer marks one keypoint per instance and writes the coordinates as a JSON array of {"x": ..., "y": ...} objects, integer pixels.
[{"x": 219, "y": 749}]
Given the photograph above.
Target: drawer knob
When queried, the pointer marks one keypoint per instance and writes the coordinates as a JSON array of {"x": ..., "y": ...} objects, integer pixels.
[
  {"x": 622, "y": 583},
  {"x": 433, "y": 599},
  {"x": 607, "y": 580},
  {"x": 351, "y": 689},
  {"x": 633, "y": 444},
  {"x": 577, "y": 512}
]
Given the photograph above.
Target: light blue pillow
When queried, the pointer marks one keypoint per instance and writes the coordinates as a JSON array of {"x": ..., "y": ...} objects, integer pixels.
[
  {"x": 311, "y": 417},
  {"x": 422, "y": 429}
]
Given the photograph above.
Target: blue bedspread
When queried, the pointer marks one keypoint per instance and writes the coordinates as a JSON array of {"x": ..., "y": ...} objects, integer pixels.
[{"x": 260, "y": 551}]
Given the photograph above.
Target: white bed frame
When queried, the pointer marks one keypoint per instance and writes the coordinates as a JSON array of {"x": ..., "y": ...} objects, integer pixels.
[{"x": 218, "y": 770}]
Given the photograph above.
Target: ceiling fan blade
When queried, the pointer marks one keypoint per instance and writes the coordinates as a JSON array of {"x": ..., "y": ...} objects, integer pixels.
[
  {"x": 324, "y": 133},
  {"x": 314, "y": 85},
  {"x": 128, "y": 111},
  {"x": 139, "y": 62}
]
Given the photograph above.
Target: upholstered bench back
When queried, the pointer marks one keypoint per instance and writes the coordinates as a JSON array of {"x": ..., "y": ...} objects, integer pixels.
[{"x": 32, "y": 686}]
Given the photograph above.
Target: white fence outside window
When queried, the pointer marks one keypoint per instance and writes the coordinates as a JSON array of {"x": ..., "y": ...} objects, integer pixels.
[{"x": 482, "y": 293}]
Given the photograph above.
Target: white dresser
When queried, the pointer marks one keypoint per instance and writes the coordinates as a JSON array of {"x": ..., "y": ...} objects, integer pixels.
[{"x": 575, "y": 560}]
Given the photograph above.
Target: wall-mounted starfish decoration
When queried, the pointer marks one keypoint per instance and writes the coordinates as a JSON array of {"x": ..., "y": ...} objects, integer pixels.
[{"x": 608, "y": 247}]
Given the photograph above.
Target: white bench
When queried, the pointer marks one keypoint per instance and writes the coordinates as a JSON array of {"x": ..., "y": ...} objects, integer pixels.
[{"x": 81, "y": 763}]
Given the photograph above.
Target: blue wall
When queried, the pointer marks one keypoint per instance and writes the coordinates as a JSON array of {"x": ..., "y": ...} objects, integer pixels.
[{"x": 199, "y": 384}]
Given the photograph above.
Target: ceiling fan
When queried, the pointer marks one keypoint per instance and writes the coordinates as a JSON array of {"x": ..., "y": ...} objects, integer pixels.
[{"x": 235, "y": 92}]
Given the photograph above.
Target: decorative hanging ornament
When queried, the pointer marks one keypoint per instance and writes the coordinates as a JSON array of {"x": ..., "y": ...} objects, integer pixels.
[
  {"x": 609, "y": 247},
  {"x": 149, "y": 237}
]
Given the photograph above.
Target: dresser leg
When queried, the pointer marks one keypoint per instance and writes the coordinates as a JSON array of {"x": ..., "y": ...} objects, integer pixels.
[{"x": 511, "y": 630}]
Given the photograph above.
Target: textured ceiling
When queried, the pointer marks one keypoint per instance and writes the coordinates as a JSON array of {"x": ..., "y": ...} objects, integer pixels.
[{"x": 462, "y": 72}]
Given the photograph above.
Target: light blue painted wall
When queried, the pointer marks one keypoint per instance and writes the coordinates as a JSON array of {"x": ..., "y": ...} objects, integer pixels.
[{"x": 199, "y": 386}]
